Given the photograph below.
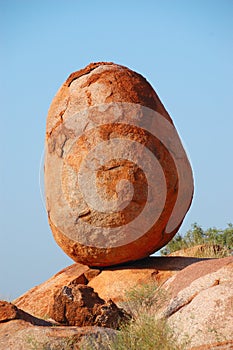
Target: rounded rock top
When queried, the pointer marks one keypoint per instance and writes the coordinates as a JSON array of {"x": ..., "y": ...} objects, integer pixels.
[{"x": 118, "y": 182}]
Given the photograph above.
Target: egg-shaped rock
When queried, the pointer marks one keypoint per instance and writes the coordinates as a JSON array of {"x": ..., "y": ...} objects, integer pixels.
[{"x": 118, "y": 182}]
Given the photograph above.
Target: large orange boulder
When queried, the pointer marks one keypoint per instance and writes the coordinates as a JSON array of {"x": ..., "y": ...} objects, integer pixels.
[{"x": 117, "y": 180}]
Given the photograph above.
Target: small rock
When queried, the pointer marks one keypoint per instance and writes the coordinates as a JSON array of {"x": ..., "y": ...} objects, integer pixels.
[
  {"x": 111, "y": 316},
  {"x": 8, "y": 311},
  {"x": 80, "y": 306}
]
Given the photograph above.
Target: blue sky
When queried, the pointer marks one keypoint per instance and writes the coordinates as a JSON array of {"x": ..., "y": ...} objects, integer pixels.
[{"x": 183, "y": 48}]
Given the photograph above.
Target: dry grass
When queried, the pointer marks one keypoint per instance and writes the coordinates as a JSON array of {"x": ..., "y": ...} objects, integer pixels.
[
  {"x": 145, "y": 331},
  {"x": 212, "y": 251},
  {"x": 204, "y": 251}
]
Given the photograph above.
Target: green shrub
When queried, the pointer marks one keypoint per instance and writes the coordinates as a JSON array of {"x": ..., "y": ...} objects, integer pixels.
[{"x": 219, "y": 243}]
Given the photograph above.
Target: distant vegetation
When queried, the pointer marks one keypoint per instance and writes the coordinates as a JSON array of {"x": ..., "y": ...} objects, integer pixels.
[{"x": 216, "y": 242}]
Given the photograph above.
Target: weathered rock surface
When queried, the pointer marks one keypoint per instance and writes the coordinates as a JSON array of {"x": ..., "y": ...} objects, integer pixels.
[
  {"x": 22, "y": 335},
  {"x": 109, "y": 283},
  {"x": 80, "y": 306},
  {"x": 117, "y": 180},
  {"x": 200, "y": 308},
  {"x": 221, "y": 345}
]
